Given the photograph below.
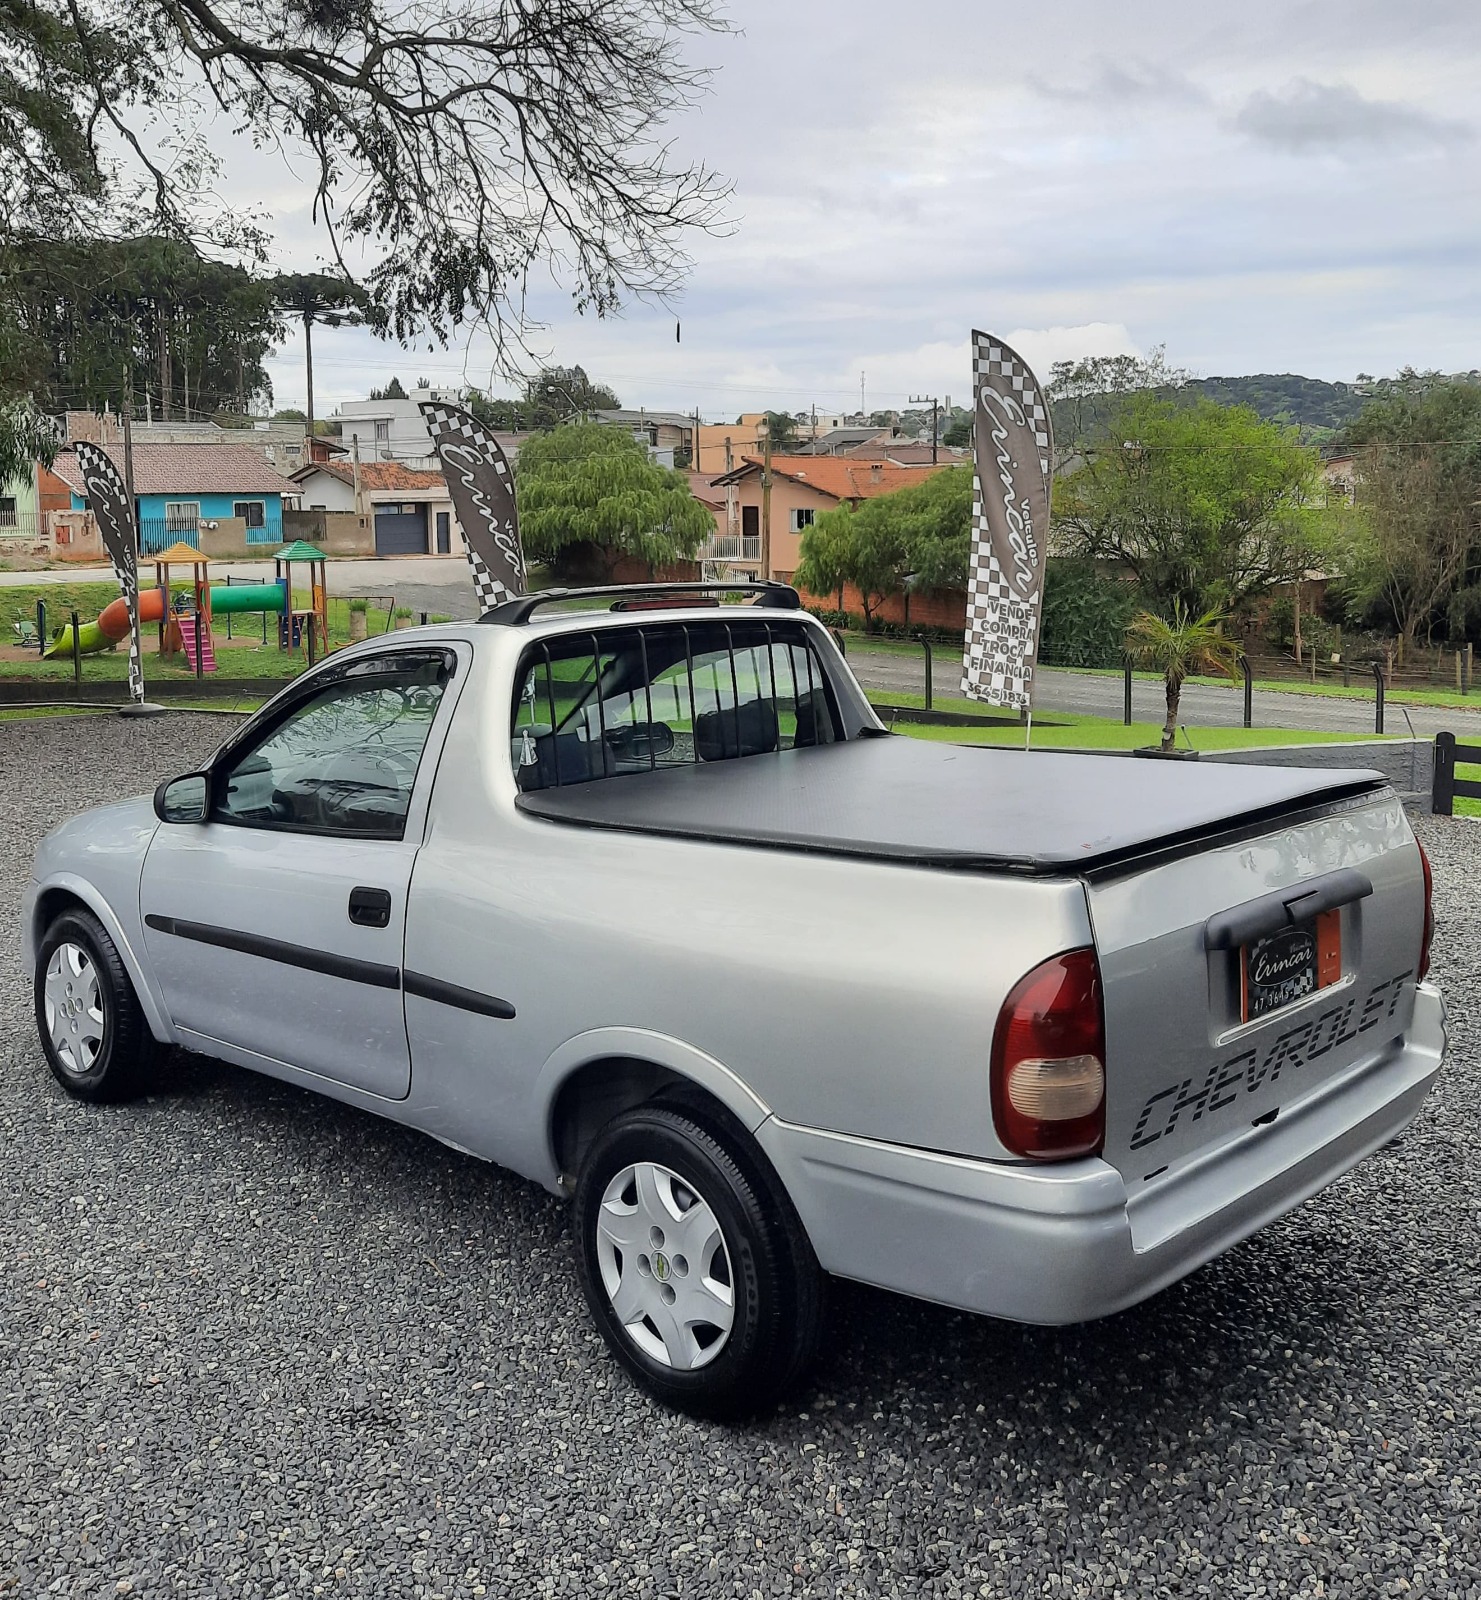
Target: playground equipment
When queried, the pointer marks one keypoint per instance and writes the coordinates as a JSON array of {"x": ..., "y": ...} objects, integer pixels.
[
  {"x": 315, "y": 616},
  {"x": 185, "y": 612},
  {"x": 112, "y": 624}
]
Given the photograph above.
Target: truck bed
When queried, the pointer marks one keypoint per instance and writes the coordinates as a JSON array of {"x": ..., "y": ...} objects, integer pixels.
[{"x": 951, "y": 807}]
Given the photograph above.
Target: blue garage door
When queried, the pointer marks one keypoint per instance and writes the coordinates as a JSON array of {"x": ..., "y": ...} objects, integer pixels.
[{"x": 401, "y": 530}]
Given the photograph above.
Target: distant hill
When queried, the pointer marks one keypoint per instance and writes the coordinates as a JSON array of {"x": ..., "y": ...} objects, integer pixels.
[
  {"x": 1319, "y": 409},
  {"x": 1311, "y": 404}
]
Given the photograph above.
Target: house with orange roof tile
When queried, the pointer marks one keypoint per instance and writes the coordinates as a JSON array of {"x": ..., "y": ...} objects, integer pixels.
[
  {"x": 403, "y": 511},
  {"x": 801, "y": 488}
]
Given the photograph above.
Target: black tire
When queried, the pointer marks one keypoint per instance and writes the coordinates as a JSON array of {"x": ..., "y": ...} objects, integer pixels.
[
  {"x": 121, "y": 1063},
  {"x": 775, "y": 1283}
]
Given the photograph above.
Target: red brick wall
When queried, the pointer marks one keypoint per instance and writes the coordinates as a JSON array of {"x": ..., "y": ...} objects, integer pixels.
[{"x": 945, "y": 609}]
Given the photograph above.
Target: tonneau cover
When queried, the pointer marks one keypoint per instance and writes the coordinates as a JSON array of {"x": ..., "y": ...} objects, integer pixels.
[{"x": 947, "y": 806}]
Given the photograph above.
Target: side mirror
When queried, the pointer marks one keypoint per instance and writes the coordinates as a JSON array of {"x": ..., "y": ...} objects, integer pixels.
[{"x": 182, "y": 799}]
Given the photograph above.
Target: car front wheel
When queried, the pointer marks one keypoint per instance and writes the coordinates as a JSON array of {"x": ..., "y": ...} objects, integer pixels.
[
  {"x": 699, "y": 1278},
  {"x": 93, "y": 1031}
]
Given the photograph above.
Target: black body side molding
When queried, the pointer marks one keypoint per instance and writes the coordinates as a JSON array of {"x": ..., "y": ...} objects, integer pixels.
[
  {"x": 452, "y": 994},
  {"x": 375, "y": 973}
]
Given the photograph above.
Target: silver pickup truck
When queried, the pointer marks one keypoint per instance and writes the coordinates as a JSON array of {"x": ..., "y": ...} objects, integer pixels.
[{"x": 642, "y": 901}]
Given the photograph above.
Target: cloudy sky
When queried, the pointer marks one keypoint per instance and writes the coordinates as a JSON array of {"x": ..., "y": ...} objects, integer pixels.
[{"x": 1272, "y": 186}]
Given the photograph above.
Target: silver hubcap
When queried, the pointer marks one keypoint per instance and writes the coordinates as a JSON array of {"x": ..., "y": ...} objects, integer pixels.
[
  {"x": 74, "y": 1007},
  {"x": 665, "y": 1267}
]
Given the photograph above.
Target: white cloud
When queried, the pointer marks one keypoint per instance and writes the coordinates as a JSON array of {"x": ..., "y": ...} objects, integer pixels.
[{"x": 896, "y": 184}]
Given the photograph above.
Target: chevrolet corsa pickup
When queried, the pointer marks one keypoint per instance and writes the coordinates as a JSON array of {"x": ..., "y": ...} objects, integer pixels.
[{"x": 641, "y": 901}]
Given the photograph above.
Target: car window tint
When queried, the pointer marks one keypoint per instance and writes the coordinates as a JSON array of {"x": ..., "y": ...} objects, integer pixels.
[
  {"x": 344, "y": 760},
  {"x": 620, "y": 701}
]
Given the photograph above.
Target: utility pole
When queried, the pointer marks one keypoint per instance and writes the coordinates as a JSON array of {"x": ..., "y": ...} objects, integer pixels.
[
  {"x": 766, "y": 507},
  {"x": 935, "y": 405},
  {"x": 863, "y": 409}
]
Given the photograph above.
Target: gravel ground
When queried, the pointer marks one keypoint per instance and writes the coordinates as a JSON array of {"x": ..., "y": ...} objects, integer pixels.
[{"x": 253, "y": 1343}]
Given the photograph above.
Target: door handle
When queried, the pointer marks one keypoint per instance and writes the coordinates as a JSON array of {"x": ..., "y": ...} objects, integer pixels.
[{"x": 370, "y": 908}]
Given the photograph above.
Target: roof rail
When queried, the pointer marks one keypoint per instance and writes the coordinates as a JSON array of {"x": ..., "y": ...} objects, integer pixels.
[{"x": 514, "y": 613}]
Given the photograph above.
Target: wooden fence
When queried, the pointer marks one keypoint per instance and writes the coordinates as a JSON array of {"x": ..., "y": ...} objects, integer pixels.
[{"x": 1447, "y": 786}]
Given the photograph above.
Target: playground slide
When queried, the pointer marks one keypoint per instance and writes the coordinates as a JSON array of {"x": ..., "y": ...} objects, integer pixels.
[{"x": 113, "y": 622}]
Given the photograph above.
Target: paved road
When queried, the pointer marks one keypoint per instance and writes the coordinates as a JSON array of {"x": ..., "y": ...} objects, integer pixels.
[
  {"x": 254, "y": 1343},
  {"x": 1203, "y": 705}
]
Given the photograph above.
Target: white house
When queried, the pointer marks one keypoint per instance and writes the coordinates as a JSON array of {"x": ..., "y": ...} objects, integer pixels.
[{"x": 393, "y": 430}]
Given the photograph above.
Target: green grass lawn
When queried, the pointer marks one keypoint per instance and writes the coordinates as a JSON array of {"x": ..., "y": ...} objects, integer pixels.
[{"x": 1071, "y": 732}]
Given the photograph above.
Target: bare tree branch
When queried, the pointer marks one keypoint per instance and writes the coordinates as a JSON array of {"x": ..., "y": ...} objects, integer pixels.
[{"x": 460, "y": 143}]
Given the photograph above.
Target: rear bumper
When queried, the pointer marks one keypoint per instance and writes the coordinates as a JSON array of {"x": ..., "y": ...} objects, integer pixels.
[{"x": 1068, "y": 1243}]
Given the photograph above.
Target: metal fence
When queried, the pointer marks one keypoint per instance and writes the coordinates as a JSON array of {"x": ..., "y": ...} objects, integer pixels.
[{"x": 730, "y": 547}]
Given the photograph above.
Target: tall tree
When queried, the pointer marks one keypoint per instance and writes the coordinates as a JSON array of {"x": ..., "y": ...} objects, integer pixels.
[
  {"x": 1417, "y": 504},
  {"x": 1085, "y": 394},
  {"x": 565, "y": 394},
  {"x": 458, "y": 146},
  {"x": 83, "y": 320},
  {"x": 320, "y": 297},
  {"x": 590, "y": 494},
  {"x": 1206, "y": 505}
]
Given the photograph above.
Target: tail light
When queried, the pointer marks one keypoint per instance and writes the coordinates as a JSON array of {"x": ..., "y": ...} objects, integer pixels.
[
  {"x": 1048, "y": 1061},
  {"x": 1429, "y": 914}
]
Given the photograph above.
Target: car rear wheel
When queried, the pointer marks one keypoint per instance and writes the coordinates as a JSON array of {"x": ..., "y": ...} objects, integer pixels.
[
  {"x": 93, "y": 1031},
  {"x": 699, "y": 1278}
]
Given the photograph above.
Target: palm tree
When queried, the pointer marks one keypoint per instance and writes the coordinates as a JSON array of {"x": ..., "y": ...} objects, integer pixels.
[{"x": 1179, "y": 648}]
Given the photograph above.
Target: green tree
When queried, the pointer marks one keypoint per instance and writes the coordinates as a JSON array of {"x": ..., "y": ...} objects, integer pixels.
[
  {"x": 958, "y": 434},
  {"x": 459, "y": 148},
  {"x": 85, "y": 321},
  {"x": 914, "y": 539},
  {"x": 26, "y": 437},
  {"x": 392, "y": 391},
  {"x": 1206, "y": 505},
  {"x": 781, "y": 429},
  {"x": 502, "y": 414},
  {"x": 1084, "y": 395},
  {"x": 1178, "y": 647},
  {"x": 565, "y": 394},
  {"x": 1416, "y": 519},
  {"x": 323, "y": 298},
  {"x": 590, "y": 494},
  {"x": 1085, "y": 616}
]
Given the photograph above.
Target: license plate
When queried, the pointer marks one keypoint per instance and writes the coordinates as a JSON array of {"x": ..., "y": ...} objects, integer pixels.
[{"x": 1286, "y": 966}]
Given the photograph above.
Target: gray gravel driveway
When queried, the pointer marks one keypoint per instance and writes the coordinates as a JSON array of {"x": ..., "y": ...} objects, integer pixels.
[{"x": 253, "y": 1343}]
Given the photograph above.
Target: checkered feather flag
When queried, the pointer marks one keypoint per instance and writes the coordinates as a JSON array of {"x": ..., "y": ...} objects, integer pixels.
[
  {"x": 1012, "y": 452},
  {"x": 482, "y": 489},
  {"x": 108, "y": 500}
]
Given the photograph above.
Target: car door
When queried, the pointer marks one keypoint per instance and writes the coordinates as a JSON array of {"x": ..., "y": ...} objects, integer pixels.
[{"x": 276, "y": 926}]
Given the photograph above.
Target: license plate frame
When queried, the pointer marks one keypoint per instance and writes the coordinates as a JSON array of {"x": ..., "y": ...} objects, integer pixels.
[{"x": 1281, "y": 968}]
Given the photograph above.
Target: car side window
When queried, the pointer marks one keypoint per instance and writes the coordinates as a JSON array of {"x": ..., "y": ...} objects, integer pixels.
[
  {"x": 619, "y": 701},
  {"x": 344, "y": 759}
]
